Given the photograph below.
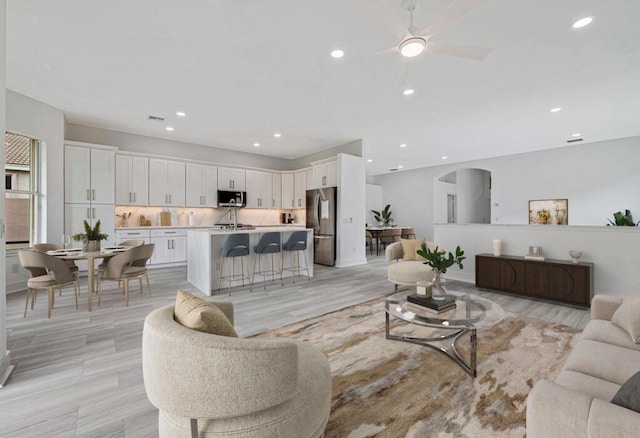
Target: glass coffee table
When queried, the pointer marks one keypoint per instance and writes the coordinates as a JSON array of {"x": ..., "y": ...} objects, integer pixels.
[{"x": 471, "y": 313}]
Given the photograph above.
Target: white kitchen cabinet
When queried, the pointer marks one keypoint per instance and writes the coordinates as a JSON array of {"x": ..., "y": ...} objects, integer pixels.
[
  {"x": 89, "y": 175},
  {"x": 325, "y": 175},
  {"x": 170, "y": 246},
  {"x": 132, "y": 180},
  {"x": 288, "y": 192},
  {"x": 125, "y": 234},
  {"x": 230, "y": 178},
  {"x": 167, "y": 183},
  {"x": 202, "y": 185},
  {"x": 76, "y": 214},
  {"x": 259, "y": 189},
  {"x": 276, "y": 190},
  {"x": 300, "y": 188}
]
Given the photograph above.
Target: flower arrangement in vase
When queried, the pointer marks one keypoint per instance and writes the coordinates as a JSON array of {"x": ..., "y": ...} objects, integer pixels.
[{"x": 439, "y": 262}]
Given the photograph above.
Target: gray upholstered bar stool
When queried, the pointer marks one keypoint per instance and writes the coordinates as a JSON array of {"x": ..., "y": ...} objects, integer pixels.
[
  {"x": 297, "y": 243},
  {"x": 236, "y": 245},
  {"x": 269, "y": 244}
]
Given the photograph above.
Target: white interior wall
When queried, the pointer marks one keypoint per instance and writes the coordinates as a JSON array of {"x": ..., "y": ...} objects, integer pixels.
[
  {"x": 373, "y": 202},
  {"x": 350, "y": 243},
  {"x": 474, "y": 205}
]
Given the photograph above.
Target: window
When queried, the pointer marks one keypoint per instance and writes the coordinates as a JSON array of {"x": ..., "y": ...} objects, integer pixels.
[{"x": 21, "y": 184}]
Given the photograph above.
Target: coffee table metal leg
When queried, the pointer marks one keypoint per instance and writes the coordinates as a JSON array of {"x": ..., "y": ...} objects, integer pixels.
[{"x": 468, "y": 367}]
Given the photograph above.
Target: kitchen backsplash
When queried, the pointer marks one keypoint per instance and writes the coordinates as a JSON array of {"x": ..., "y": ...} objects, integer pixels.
[{"x": 205, "y": 217}]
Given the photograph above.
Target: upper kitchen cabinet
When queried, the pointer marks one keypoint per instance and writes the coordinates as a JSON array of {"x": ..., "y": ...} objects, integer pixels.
[
  {"x": 230, "y": 178},
  {"x": 202, "y": 185},
  {"x": 166, "y": 183},
  {"x": 132, "y": 180},
  {"x": 288, "y": 191},
  {"x": 325, "y": 174},
  {"x": 259, "y": 189},
  {"x": 89, "y": 175},
  {"x": 276, "y": 190},
  {"x": 300, "y": 188}
]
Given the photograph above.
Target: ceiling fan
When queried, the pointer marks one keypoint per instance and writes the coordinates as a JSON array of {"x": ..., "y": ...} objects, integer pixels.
[{"x": 415, "y": 41}]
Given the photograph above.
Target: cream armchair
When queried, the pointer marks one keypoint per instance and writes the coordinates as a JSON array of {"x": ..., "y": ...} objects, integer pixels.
[
  {"x": 406, "y": 272},
  {"x": 233, "y": 387}
]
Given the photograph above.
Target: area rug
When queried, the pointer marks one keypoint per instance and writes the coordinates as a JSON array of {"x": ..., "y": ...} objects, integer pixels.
[{"x": 384, "y": 388}]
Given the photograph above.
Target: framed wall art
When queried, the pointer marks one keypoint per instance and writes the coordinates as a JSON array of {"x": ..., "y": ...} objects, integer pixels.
[{"x": 549, "y": 212}]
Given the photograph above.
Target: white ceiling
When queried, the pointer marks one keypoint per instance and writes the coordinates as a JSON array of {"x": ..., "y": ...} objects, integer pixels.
[{"x": 243, "y": 70}]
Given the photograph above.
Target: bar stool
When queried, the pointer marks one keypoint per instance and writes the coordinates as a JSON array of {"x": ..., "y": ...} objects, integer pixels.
[
  {"x": 269, "y": 244},
  {"x": 297, "y": 242},
  {"x": 236, "y": 245}
]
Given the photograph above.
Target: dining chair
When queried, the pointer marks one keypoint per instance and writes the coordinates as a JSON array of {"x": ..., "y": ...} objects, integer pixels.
[
  {"x": 126, "y": 266},
  {"x": 44, "y": 247},
  {"x": 369, "y": 240},
  {"x": 389, "y": 236},
  {"x": 47, "y": 273},
  {"x": 131, "y": 242},
  {"x": 408, "y": 233}
]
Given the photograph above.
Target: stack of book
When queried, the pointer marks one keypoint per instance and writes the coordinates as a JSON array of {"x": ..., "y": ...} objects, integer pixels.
[{"x": 433, "y": 306}]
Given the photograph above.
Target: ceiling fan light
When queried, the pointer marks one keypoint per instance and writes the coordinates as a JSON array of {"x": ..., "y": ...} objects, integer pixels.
[{"x": 412, "y": 47}]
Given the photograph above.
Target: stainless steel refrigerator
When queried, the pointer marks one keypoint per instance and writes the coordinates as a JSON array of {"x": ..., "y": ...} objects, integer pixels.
[{"x": 321, "y": 216}]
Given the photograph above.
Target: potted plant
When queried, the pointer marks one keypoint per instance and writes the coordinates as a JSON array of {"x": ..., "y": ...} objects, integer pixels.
[
  {"x": 383, "y": 217},
  {"x": 439, "y": 262},
  {"x": 622, "y": 220},
  {"x": 91, "y": 237}
]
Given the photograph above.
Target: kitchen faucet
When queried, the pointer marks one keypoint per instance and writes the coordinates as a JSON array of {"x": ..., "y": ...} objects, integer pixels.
[{"x": 232, "y": 203}]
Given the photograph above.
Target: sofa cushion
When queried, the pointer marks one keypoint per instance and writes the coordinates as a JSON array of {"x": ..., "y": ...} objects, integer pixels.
[
  {"x": 629, "y": 394},
  {"x": 197, "y": 314},
  {"x": 628, "y": 317},
  {"x": 593, "y": 386},
  {"x": 604, "y": 331},
  {"x": 409, "y": 248},
  {"x": 604, "y": 361}
]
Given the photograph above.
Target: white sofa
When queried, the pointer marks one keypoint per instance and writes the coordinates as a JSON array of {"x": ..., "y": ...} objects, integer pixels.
[
  {"x": 406, "y": 272},
  {"x": 578, "y": 402}
]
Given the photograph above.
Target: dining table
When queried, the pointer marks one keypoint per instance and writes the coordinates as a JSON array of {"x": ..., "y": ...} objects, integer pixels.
[
  {"x": 375, "y": 234},
  {"x": 90, "y": 257}
]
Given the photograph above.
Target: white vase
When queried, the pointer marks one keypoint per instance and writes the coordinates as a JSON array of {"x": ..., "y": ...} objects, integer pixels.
[{"x": 497, "y": 247}]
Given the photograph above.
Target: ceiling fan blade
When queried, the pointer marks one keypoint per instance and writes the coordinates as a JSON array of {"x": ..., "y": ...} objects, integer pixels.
[
  {"x": 460, "y": 50},
  {"x": 452, "y": 14},
  {"x": 402, "y": 74},
  {"x": 385, "y": 15}
]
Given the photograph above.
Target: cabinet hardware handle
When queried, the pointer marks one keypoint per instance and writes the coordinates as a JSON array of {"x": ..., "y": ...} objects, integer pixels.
[
  {"x": 170, "y": 201},
  {"x": 93, "y": 212},
  {"x": 93, "y": 194},
  {"x": 135, "y": 197},
  {"x": 88, "y": 195},
  {"x": 273, "y": 202},
  {"x": 170, "y": 232},
  {"x": 133, "y": 234},
  {"x": 129, "y": 196},
  {"x": 88, "y": 213}
]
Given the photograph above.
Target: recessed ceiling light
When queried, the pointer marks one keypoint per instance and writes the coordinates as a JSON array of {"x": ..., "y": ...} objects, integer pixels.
[
  {"x": 577, "y": 134},
  {"x": 403, "y": 145},
  {"x": 257, "y": 145},
  {"x": 337, "y": 53},
  {"x": 444, "y": 157},
  {"x": 400, "y": 166},
  {"x": 582, "y": 22},
  {"x": 277, "y": 135},
  {"x": 412, "y": 47},
  {"x": 369, "y": 160},
  {"x": 555, "y": 110},
  {"x": 408, "y": 92},
  {"x": 169, "y": 128},
  {"x": 181, "y": 114}
]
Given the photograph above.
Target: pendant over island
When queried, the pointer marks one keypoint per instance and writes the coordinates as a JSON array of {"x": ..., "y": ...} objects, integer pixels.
[{"x": 204, "y": 255}]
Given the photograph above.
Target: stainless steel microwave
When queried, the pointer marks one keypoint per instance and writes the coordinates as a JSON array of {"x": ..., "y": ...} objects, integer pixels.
[{"x": 228, "y": 198}]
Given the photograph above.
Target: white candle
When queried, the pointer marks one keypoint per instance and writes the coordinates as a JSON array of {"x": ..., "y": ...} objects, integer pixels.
[{"x": 497, "y": 247}]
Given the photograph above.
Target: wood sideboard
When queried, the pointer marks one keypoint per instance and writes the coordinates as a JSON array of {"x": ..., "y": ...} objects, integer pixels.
[{"x": 556, "y": 280}]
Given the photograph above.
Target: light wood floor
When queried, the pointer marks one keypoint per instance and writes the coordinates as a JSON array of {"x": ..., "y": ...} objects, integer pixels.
[{"x": 79, "y": 374}]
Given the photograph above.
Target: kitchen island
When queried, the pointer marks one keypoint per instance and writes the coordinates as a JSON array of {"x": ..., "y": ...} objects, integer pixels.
[{"x": 204, "y": 248}]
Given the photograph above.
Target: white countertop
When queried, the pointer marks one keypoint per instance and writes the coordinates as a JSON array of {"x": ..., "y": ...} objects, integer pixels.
[{"x": 263, "y": 229}]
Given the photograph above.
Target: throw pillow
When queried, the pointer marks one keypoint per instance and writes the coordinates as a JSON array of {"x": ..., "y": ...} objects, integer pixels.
[
  {"x": 627, "y": 317},
  {"x": 628, "y": 396},
  {"x": 409, "y": 248},
  {"x": 203, "y": 316}
]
